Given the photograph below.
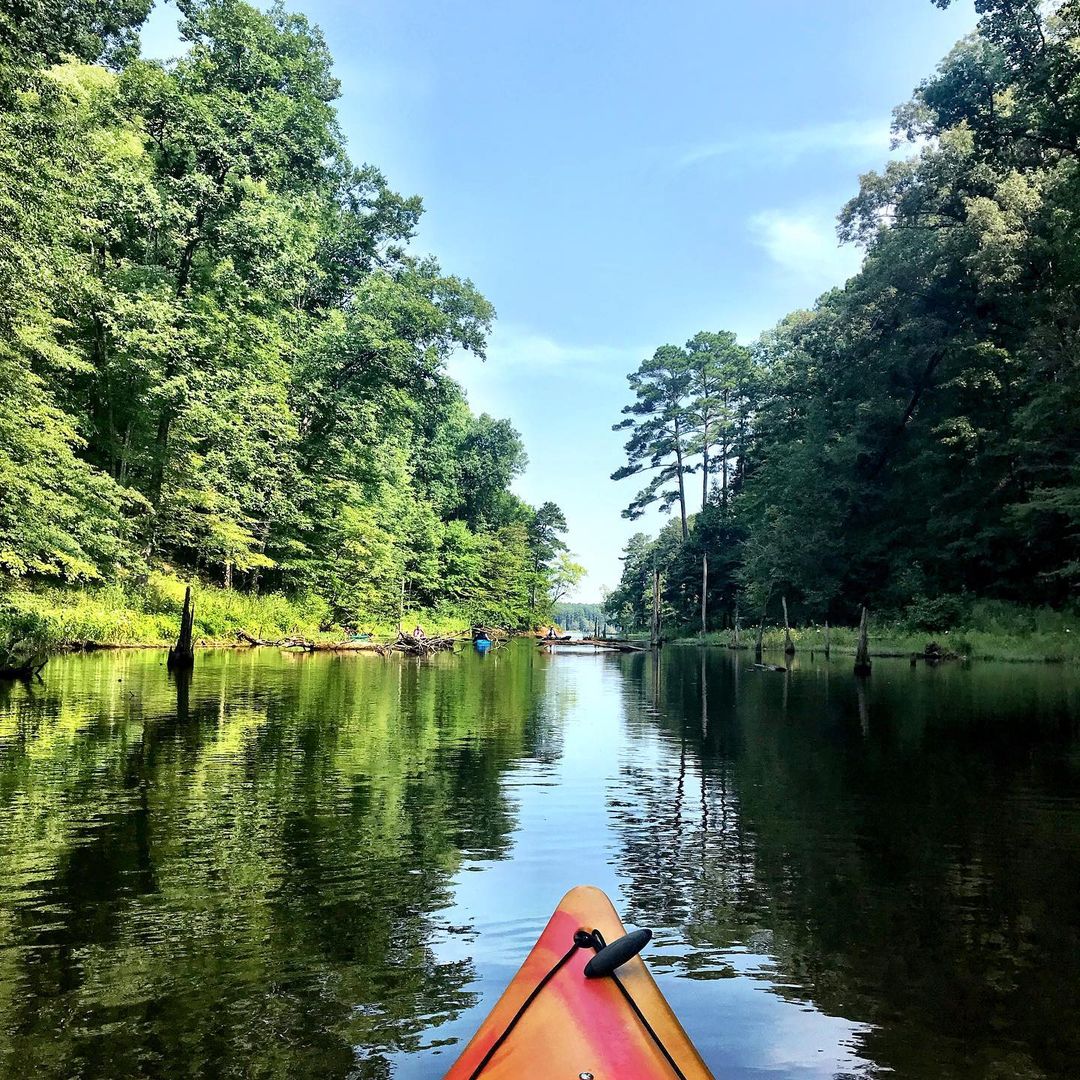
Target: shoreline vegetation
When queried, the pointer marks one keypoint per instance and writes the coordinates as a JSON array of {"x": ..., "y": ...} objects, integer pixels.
[
  {"x": 897, "y": 642},
  {"x": 147, "y": 615}
]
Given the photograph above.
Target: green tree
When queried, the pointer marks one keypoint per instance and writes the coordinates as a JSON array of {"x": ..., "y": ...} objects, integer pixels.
[
  {"x": 659, "y": 422},
  {"x": 721, "y": 389}
]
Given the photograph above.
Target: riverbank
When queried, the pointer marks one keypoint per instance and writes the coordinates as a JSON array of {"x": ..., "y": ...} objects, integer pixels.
[
  {"x": 1048, "y": 637},
  {"x": 147, "y": 615}
]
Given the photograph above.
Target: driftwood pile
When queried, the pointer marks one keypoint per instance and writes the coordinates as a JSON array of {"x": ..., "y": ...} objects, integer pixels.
[
  {"x": 281, "y": 643},
  {"x": 405, "y": 643},
  {"x": 423, "y": 646}
]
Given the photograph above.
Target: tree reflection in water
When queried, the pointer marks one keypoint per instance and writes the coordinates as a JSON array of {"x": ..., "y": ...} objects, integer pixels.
[{"x": 902, "y": 851}]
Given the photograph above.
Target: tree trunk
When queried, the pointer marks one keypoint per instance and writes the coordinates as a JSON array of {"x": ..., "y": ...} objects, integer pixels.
[
  {"x": 182, "y": 654},
  {"x": 724, "y": 449},
  {"x": 789, "y": 645},
  {"x": 705, "y": 463},
  {"x": 862, "y": 652},
  {"x": 654, "y": 636},
  {"x": 761, "y": 625},
  {"x": 157, "y": 477},
  {"x": 827, "y": 646},
  {"x": 682, "y": 481},
  {"x": 704, "y": 592}
]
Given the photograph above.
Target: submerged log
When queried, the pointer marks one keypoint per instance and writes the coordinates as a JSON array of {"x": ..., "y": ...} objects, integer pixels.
[{"x": 182, "y": 654}]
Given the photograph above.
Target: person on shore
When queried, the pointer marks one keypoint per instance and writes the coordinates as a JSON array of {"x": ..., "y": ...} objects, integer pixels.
[
  {"x": 418, "y": 633},
  {"x": 551, "y": 632}
]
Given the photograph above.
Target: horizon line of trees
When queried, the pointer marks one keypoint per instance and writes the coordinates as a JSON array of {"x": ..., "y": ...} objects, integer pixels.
[
  {"x": 915, "y": 437},
  {"x": 217, "y": 351}
]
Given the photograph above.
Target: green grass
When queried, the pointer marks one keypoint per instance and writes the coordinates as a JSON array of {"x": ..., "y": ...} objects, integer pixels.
[
  {"x": 149, "y": 614},
  {"x": 988, "y": 630}
]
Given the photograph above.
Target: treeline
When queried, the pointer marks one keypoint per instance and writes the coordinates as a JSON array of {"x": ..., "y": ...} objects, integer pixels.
[
  {"x": 582, "y": 617},
  {"x": 914, "y": 440},
  {"x": 217, "y": 352}
]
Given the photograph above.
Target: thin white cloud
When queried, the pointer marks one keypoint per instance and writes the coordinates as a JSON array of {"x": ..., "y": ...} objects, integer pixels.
[
  {"x": 517, "y": 347},
  {"x": 859, "y": 139},
  {"x": 803, "y": 244}
]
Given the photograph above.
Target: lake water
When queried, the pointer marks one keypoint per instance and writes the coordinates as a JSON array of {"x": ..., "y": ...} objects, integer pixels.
[{"x": 318, "y": 865}]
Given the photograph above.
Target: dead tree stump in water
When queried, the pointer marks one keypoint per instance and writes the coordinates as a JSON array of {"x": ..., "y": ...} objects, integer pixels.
[
  {"x": 182, "y": 654},
  {"x": 862, "y": 652},
  {"x": 789, "y": 645}
]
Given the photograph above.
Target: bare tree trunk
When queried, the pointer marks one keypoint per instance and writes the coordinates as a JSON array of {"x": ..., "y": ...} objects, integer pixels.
[
  {"x": 862, "y": 652},
  {"x": 761, "y": 625},
  {"x": 827, "y": 645},
  {"x": 704, "y": 592},
  {"x": 182, "y": 654},
  {"x": 789, "y": 645},
  {"x": 228, "y": 574}
]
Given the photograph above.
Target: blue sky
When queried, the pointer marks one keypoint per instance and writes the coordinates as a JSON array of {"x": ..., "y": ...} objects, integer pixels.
[{"x": 618, "y": 175}]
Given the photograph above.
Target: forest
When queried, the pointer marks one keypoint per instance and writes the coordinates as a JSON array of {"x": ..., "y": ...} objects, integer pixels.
[
  {"x": 219, "y": 357},
  {"x": 912, "y": 442}
]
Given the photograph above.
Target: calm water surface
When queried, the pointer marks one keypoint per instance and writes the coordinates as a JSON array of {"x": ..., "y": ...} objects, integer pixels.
[{"x": 328, "y": 866}]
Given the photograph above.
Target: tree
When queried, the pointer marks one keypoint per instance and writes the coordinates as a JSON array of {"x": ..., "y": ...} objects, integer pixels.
[
  {"x": 721, "y": 387},
  {"x": 566, "y": 575},
  {"x": 659, "y": 422},
  {"x": 545, "y": 530}
]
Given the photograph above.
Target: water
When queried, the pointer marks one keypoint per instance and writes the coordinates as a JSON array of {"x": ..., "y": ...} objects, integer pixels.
[{"x": 330, "y": 866}]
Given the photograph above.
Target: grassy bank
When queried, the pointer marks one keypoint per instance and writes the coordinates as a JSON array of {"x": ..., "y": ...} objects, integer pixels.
[
  {"x": 149, "y": 614},
  {"x": 990, "y": 631}
]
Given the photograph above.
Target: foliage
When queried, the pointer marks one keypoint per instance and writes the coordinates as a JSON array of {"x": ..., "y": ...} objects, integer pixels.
[{"x": 217, "y": 351}]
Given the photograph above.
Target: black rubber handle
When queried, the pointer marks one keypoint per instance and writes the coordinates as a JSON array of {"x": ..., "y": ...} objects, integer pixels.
[{"x": 617, "y": 953}]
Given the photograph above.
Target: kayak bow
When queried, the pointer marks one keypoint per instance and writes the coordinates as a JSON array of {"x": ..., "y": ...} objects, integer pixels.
[{"x": 582, "y": 1005}]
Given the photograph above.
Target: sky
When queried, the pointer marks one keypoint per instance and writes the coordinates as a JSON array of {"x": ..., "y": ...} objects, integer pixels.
[{"x": 615, "y": 175}]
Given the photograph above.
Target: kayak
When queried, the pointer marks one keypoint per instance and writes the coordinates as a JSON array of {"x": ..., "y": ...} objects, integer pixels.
[{"x": 582, "y": 1005}]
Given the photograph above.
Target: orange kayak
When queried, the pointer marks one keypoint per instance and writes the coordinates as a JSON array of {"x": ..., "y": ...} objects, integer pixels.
[{"x": 583, "y": 1005}]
